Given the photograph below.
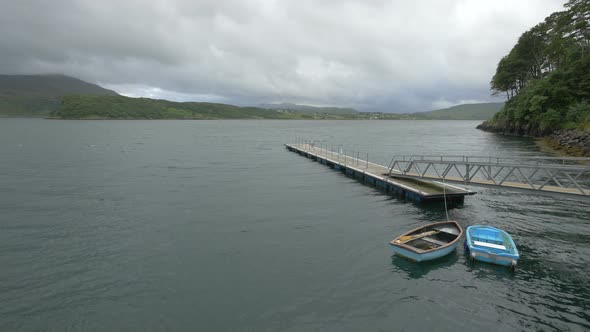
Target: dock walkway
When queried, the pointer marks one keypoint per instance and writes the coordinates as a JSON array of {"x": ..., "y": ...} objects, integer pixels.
[{"x": 379, "y": 176}]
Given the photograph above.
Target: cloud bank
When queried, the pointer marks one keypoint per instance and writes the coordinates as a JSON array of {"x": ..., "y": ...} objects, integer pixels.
[{"x": 374, "y": 55}]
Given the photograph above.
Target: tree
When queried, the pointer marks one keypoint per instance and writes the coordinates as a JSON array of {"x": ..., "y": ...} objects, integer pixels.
[{"x": 547, "y": 71}]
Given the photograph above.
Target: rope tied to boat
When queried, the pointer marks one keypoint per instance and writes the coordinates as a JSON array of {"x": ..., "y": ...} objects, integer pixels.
[{"x": 445, "y": 198}]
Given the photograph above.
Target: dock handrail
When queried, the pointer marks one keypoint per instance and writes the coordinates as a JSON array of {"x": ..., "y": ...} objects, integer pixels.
[
  {"x": 491, "y": 159},
  {"x": 519, "y": 172},
  {"x": 569, "y": 175}
]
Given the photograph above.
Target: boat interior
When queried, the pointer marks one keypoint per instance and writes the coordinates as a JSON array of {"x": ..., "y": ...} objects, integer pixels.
[
  {"x": 492, "y": 240},
  {"x": 433, "y": 238}
]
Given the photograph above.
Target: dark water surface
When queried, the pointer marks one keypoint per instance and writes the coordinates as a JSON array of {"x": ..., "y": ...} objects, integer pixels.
[{"x": 214, "y": 226}]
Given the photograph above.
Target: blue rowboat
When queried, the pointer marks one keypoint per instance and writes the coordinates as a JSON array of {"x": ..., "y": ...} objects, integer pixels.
[
  {"x": 428, "y": 242},
  {"x": 491, "y": 245}
]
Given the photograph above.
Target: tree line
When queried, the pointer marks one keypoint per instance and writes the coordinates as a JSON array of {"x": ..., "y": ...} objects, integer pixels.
[{"x": 546, "y": 75}]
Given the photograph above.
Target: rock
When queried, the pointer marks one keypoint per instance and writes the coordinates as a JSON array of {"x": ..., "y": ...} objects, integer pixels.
[
  {"x": 514, "y": 129},
  {"x": 572, "y": 141}
]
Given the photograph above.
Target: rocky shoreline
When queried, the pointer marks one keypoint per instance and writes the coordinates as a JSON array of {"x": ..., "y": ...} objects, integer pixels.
[{"x": 572, "y": 142}]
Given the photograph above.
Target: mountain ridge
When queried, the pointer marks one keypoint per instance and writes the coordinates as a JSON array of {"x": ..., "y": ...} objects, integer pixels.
[
  {"x": 49, "y": 85},
  {"x": 39, "y": 95}
]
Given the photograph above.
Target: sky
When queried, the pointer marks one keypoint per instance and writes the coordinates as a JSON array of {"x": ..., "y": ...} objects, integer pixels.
[{"x": 372, "y": 55}]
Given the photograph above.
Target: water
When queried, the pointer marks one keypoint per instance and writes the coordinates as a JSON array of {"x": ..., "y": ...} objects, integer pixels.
[{"x": 214, "y": 226}]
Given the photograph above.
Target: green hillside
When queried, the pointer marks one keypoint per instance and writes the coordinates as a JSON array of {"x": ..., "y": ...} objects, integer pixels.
[
  {"x": 119, "y": 107},
  {"x": 482, "y": 111},
  {"x": 39, "y": 95}
]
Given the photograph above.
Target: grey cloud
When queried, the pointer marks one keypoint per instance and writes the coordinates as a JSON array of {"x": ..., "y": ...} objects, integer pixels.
[{"x": 373, "y": 55}]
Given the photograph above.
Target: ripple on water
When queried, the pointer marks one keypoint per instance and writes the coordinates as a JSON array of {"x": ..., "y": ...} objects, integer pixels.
[{"x": 214, "y": 226}]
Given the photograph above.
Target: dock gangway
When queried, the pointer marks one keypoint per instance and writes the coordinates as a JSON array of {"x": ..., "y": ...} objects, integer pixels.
[{"x": 565, "y": 175}]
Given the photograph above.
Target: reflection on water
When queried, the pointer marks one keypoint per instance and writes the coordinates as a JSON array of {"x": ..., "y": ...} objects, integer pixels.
[
  {"x": 414, "y": 270},
  {"x": 482, "y": 270}
]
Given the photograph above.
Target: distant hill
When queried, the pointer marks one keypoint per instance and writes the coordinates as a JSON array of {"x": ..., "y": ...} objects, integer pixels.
[
  {"x": 38, "y": 95},
  {"x": 483, "y": 111},
  {"x": 48, "y": 86},
  {"x": 60, "y": 96},
  {"x": 120, "y": 107},
  {"x": 309, "y": 109}
]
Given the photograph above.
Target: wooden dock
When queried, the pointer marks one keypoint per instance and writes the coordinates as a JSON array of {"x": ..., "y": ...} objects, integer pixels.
[{"x": 378, "y": 176}]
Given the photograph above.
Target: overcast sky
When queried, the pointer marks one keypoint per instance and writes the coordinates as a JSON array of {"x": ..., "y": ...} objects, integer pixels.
[{"x": 391, "y": 56}]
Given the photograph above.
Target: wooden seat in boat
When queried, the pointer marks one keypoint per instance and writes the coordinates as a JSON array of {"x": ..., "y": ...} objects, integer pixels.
[
  {"x": 435, "y": 241},
  {"x": 489, "y": 245}
]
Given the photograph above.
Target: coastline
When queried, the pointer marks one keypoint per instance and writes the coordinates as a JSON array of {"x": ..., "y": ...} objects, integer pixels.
[{"x": 569, "y": 142}]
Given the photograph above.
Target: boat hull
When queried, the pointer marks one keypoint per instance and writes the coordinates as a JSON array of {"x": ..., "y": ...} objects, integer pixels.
[
  {"x": 416, "y": 257},
  {"x": 492, "y": 259}
]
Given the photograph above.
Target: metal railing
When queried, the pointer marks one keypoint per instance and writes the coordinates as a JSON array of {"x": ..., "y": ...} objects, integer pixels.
[
  {"x": 337, "y": 152},
  {"x": 535, "y": 173},
  {"x": 570, "y": 175}
]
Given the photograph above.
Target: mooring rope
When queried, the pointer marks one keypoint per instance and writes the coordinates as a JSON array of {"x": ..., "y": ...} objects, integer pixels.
[{"x": 445, "y": 198}]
